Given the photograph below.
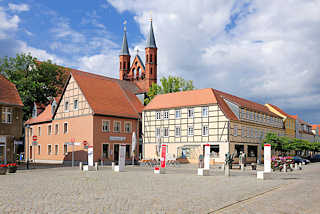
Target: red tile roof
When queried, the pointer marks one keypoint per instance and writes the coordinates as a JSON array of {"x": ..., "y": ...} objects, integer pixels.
[
  {"x": 44, "y": 116},
  {"x": 300, "y": 120},
  {"x": 205, "y": 97},
  {"x": 107, "y": 96},
  {"x": 281, "y": 111},
  {"x": 8, "y": 93}
]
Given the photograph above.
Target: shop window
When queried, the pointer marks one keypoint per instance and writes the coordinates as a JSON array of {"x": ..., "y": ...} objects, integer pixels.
[
  {"x": 65, "y": 149},
  {"x": 238, "y": 148},
  {"x": 214, "y": 151},
  {"x": 252, "y": 151}
]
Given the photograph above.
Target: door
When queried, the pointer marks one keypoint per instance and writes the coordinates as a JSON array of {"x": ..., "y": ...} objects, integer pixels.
[
  {"x": 1, "y": 154},
  {"x": 30, "y": 152},
  {"x": 116, "y": 152}
]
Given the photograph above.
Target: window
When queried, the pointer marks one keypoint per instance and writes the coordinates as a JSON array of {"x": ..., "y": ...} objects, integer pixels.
[
  {"x": 248, "y": 132},
  {"x": 39, "y": 149},
  {"x": 166, "y": 132},
  {"x": 127, "y": 127},
  {"x": 190, "y": 131},
  {"x": 65, "y": 128},
  {"x": 235, "y": 130},
  {"x": 205, "y": 130},
  {"x": 243, "y": 131},
  {"x": 49, "y": 129},
  {"x": 56, "y": 149},
  {"x": 256, "y": 130},
  {"x": 251, "y": 115},
  {"x": 165, "y": 115},
  {"x": 158, "y": 115},
  {"x": 255, "y": 115},
  {"x": 251, "y": 132},
  {"x": 116, "y": 126},
  {"x": 105, "y": 125},
  {"x": 75, "y": 104},
  {"x": 31, "y": 132},
  {"x": 214, "y": 151},
  {"x": 252, "y": 151},
  {"x": 178, "y": 113},
  {"x": 204, "y": 111},
  {"x": 190, "y": 112},
  {"x": 150, "y": 58},
  {"x": 177, "y": 131},
  {"x": 157, "y": 132},
  {"x": 247, "y": 113},
  {"x": 57, "y": 129},
  {"x": 6, "y": 116},
  {"x": 105, "y": 150},
  {"x": 66, "y": 106},
  {"x": 39, "y": 131},
  {"x": 238, "y": 148},
  {"x": 65, "y": 149},
  {"x": 49, "y": 149}
]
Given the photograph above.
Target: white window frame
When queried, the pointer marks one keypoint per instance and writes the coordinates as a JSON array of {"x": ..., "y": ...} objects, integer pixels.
[
  {"x": 177, "y": 133},
  {"x": 56, "y": 152},
  {"x": 130, "y": 127},
  {"x": 190, "y": 131},
  {"x": 49, "y": 129},
  {"x": 158, "y": 115},
  {"x": 190, "y": 112},
  {"x": 177, "y": 116},
  {"x": 48, "y": 149},
  {"x": 165, "y": 115},
  {"x": 56, "y": 130},
  {"x": 114, "y": 126},
  {"x": 75, "y": 104},
  {"x": 235, "y": 130},
  {"x": 66, "y": 106},
  {"x": 102, "y": 128},
  {"x": 39, "y": 130},
  {"x": 205, "y": 130},
  {"x": 64, "y": 130},
  {"x": 39, "y": 150},
  {"x": 205, "y": 110},
  {"x": 6, "y": 111},
  {"x": 158, "y": 132}
]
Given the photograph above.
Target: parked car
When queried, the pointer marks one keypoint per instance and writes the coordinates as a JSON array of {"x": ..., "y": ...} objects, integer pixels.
[
  {"x": 315, "y": 158},
  {"x": 297, "y": 159}
]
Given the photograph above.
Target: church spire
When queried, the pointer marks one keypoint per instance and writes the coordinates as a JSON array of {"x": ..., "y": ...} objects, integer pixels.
[
  {"x": 151, "y": 42},
  {"x": 124, "y": 49}
]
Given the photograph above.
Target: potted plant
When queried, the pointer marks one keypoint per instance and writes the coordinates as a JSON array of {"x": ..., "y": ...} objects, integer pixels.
[
  {"x": 3, "y": 169},
  {"x": 12, "y": 167}
]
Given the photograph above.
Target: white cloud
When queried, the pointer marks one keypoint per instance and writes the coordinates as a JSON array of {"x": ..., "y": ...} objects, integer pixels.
[
  {"x": 8, "y": 24},
  {"x": 263, "y": 51},
  {"x": 18, "y": 7}
]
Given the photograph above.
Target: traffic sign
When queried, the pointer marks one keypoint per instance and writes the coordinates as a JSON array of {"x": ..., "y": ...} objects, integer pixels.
[
  {"x": 34, "y": 137},
  {"x": 72, "y": 140},
  {"x": 34, "y": 143}
]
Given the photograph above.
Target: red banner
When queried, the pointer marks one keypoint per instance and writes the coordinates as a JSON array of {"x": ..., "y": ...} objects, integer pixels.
[{"x": 163, "y": 156}]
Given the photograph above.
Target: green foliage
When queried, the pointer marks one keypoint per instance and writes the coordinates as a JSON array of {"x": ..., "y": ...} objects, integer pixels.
[
  {"x": 35, "y": 81},
  {"x": 169, "y": 85}
]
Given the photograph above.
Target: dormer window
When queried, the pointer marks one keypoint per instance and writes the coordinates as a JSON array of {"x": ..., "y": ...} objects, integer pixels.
[
  {"x": 53, "y": 107},
  {"x": 34, "y": 111}
]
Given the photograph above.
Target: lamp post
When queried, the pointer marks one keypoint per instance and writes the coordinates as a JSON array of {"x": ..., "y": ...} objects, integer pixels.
[{"x": 28, "y": 130}]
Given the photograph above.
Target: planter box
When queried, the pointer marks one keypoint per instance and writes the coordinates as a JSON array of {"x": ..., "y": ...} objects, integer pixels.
[{"x": 3, "y": 170}]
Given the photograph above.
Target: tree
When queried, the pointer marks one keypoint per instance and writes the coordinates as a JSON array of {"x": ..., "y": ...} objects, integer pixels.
[
  {"x": 35, "y": 81},
  {"x": 168, "y": 85}
]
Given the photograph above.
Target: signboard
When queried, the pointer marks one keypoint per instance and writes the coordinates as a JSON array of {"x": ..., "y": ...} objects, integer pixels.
[
  {"x": 34, "y": 138},
  {"x": 267, "y": 158},
  {"x": 34, "y": 143},
  {"x": 207, "y": 156},
  {"x": 117, "y": 138},
  {"x": 163, "y": 156},
  {"x": 122, "y": 157},
  {"x": 16, "y": 142},
  {"x": 90, "y": 155}
]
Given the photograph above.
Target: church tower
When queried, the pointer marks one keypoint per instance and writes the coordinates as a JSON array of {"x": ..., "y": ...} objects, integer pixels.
[
  {"x": 151, "y": 58},
  {"x": 124, "y": 57}
]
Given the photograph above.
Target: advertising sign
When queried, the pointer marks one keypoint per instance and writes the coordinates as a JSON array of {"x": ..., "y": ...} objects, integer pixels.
[
  {"x": 207, "y": 156},
  {"x": 90, "y": 155},
  {"x": 267, "y": 158},
  {"x": 122, "y": 157},
  {"x": 163, "y": 156}
]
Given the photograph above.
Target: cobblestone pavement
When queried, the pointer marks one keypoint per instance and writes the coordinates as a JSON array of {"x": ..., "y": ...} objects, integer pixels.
[{"x": 138, "y": 190}]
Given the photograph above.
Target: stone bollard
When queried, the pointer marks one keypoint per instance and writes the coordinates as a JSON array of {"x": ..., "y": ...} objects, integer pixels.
[
  {"x": 113, "y": 165},
  {"x": 291, "y": 166},
  {"x": 242, "y": 167},
  {"x": 226, "y": 170},
  {"x": 300, "y": 166},
  {"x": 80, "y": 165},
  {"x": 101, "y": 163},
  {"x": 222, "y": 167},
  {"x": 96, "y": 165},
  {"x": 296, "y": 166}
]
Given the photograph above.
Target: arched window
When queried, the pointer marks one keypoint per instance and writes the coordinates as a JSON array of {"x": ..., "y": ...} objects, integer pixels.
[{"x": 150, "y": 58}]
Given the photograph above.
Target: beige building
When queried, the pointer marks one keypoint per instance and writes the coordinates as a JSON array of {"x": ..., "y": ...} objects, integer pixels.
[{"x": 185, "y": 121}]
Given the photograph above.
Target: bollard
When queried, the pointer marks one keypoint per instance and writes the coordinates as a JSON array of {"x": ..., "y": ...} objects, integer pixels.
[
  {"x": 284, "y": 168},
  {"x": 227, "y": 170},
  {"x": 242, "y": 167},
  {"x": 101, "y": 163},
  {"x": 112, "y": 164},
  {"x": 96, "y": 165},
  {"x": 296, "y": 166},
  {"x": 80, "y": 165},
  {"x": 222, "y": 167},
  {"x": 300, "y": 166}
]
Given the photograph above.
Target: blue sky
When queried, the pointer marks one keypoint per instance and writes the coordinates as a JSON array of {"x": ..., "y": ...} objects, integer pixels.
[{"x": 266, "y": 52}]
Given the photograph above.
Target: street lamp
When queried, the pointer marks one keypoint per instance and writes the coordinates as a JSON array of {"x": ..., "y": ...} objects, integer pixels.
[{"x": 28, "y": 130}]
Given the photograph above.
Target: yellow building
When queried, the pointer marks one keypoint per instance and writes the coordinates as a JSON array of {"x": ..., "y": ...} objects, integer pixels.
[
  {"x": 188, "y": 120},
  {"x": 288, "y": 120}
]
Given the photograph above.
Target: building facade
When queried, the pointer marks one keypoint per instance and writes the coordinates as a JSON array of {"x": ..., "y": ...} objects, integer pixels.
[
  {"x": 185, "y": 121},
  {"x": 11, "y": 120}
]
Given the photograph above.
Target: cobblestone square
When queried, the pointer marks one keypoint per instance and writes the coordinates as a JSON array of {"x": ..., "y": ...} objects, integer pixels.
[{"x": 138, "y": 190}]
